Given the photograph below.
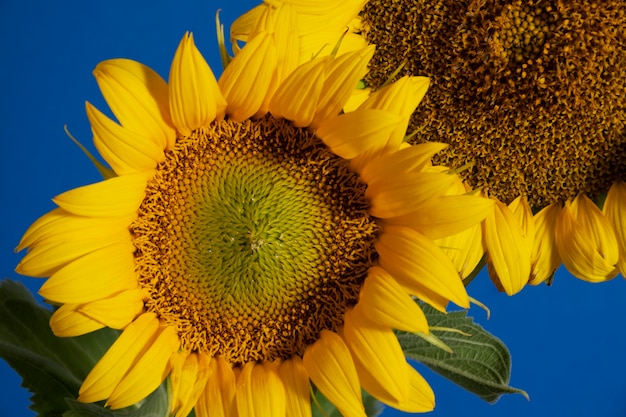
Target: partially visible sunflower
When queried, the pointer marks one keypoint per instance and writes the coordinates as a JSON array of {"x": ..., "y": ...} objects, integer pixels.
[
  {"x": 254, "y": 238},
  {"x": 530, "y": 94}
]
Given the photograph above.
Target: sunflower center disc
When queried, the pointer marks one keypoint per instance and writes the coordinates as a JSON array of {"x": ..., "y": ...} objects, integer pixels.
[
  {"x": 531, "y": 92},
  {"x": 252, "y": 238}
]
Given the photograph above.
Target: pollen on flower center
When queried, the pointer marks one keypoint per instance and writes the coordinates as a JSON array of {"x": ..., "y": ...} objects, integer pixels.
[
  {"x": 530, "y": 93},
  {"x": 252, "y": 238}
]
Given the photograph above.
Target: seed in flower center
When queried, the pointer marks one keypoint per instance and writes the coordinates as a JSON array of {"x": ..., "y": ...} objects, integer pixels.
[
  {"x": 530, "y": 92},
  {"x": 253, "y": 237}
]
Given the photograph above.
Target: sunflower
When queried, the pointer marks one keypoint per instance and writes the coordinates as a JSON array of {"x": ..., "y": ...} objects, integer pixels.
[
  {"x": 254, "y": 240},
  {"x": 530, "y": 95}
]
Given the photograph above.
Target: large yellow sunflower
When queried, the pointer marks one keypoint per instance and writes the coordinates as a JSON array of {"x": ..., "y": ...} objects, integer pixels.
[
  {"x": 530, "y": 94},
  {"x": 254, "y": 237}
]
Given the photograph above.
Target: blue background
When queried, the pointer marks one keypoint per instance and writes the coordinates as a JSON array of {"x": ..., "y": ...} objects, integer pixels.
[{"x": 567, "y": 341}]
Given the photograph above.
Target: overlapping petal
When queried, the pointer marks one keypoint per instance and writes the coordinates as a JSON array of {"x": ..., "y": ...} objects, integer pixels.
[
  {"x": 420, "y": 266},
  {"x": 138, "y": 97},
  {"x": 330, "y": 366},
  {"x": 586, "y": 241}
]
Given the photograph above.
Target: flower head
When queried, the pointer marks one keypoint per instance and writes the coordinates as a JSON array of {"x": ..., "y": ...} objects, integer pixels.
[
  {"x": 529, "y": 95},
  {"x": 255, "y": 237}
]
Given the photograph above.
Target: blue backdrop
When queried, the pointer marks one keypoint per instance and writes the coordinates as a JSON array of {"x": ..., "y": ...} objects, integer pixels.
[{"x": 567, "y": 341}]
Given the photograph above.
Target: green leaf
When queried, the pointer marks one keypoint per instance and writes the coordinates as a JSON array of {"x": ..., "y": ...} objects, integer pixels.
[
  {"x": 52, "y": 368},
  {"x": 322, "y": 407},
  {"x": 480, "y": 362}
]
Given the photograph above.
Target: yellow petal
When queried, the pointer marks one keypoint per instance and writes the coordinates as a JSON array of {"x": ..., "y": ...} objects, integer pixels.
[
  {"x": 127, "y": 152},
  {"x": 323, "y": 43},
  {"x": 242, "y": 26},
  {"x": 296, "y": 98},
  {"x": 195, "y": 99},
  {"x": 112, "y": 367},
  {"x": 464, "y": 249},
  {"x": 60, "y": 226},
  {"x": 250, "y": 79},
  {"x": 414, "y": 158},
  {"x": 260, "y": 391},
  {"x": 329, "y": 364},
  {"x": 586, "y": 241},
  {"x": 615, "y": 212},
  {"x": 148, "y": 372},
  {"x": 66, "y": 321},
  {"x": 386, "y": 303},
  {"x": 508, "y": 250},
  {"x": 40, "y": 229},
  {"x": 138, "y": 97},
  {"x": 393, "y": 197},
  {"x": 115, "y": 197},
  {"x": 545, "y": 256},
  {"x": 282, "y": 23},
  {"x": 350, "y": 134},
  {"x": 218, "y": 399},
  {"x": 342, "y": 78},
  {"x": 420, "y": 266},
  {"x": 97, "y": 275},
  {"x": 378, "y": 357},
  {"x": 60, "y": 237},
  {"x": 190, "y": 372},
  {"x": 297, "y": 387},
  {"x": 445, "y": 215},
  {"x": 116, "y": 311},
  {"x": 326, "y": 15},
  {"x": 421, "y": 397},
  {"x": 400, "y": 97}
]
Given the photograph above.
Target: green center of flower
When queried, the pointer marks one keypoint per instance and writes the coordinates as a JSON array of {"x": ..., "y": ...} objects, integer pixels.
[
  {"x": 531, "y": 93},
  {"x": 252, "y": 238}
]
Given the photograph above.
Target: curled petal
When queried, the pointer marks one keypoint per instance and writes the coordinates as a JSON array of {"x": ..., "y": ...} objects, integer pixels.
[
  {"x": 250, "y": 79},
  {"x": 615, "y": 212},
  {"x": 195, "y": 99},
  {"x": 545, "y": 256},
  {"x": 586, "y": 241},
  {"x": 509, "y": 250},
  {"x": 126, "y": 151}
]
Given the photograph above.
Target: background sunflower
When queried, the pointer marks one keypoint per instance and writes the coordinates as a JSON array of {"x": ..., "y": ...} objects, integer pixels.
[{"x": 566, "y": 370}]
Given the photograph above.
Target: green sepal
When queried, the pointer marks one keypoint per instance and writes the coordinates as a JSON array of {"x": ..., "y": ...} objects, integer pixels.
[
  {"x": 52, "y": 368},
  {"x": 105, "y": 171},
  {"x": 480, "y": 362},
  {"x": 322, "y": 407}
]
